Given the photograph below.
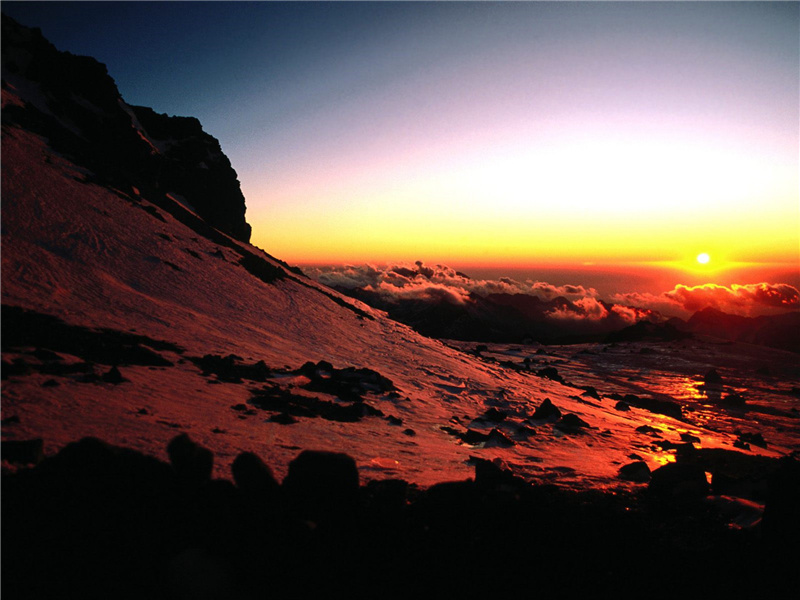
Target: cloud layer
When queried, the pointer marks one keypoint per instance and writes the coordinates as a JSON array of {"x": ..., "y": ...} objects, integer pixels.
[{"x": 400, "y": 282}]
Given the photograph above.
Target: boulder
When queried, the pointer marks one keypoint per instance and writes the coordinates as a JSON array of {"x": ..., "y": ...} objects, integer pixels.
[{"x": 322, "y": 486}]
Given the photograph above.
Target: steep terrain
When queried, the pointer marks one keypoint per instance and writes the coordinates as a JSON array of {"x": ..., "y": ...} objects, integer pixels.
[{"x": 135, "y": 311}]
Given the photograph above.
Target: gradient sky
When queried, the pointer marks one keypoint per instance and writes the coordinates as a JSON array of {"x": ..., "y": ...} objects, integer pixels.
[{"x": 479, "y": 133}]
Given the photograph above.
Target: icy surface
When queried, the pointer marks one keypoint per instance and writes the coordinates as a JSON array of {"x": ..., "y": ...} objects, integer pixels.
[{"x": 99, "y": 258}]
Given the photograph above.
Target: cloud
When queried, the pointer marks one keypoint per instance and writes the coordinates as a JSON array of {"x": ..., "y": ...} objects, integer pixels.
[
  {"x": 408, "y": 280},
  {"x": 746, "y": 300}
]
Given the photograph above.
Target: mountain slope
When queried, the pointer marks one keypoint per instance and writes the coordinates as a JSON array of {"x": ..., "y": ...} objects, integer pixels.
[{"x": 129, "y": 316}]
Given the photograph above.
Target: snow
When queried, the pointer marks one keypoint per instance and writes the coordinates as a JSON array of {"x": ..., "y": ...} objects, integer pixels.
[{"x": 92, "y": 257}]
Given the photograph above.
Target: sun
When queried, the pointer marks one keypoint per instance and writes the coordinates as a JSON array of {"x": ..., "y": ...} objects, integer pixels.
[{"x": 703, "y": 258}]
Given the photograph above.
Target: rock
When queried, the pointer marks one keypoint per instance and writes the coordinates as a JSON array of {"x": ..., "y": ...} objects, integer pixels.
[
  {"x": 283, "y": 419},
  {"x": 494, "y": 415},
  {"x": 550, "y": 373},
  {"x": 712, "y": 378},
  {"x": 254, "y": 477},
  {"x": 192, "y": 463},
  {"x": 546, "y": 411},
  {"x": 113, "y": 376},
  {"x": 637, "y": 471},
  {"x": 22, "y": 452},
  {"x": 322, "y": 486},
  {"x": 492, "y": 474},
  {"x": 571, "y": 422},
  {"x": 757, "y": 439},
  {"x": 498, "y": 439},
  {"x": 734, "y": 400},
  {"x": 409, "y": 432},
  {"x": 591, "y": 392},
  {"x": 392, "y": 420},
  {"x": 622, "y": 406},
  {"x": 648, "y": 430},
  {"x": 781, "y": 522},
  {"x": 688, "y": 437},
  {"x": 51, "y": 383},
  {"x": 681, "y": 482}
]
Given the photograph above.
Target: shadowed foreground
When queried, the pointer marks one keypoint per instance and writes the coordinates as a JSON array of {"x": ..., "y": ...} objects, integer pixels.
[{"x": 102, "y": 521}]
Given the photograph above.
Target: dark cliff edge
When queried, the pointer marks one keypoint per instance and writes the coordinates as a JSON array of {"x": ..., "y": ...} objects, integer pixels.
[{"x": 72, "y": 101}]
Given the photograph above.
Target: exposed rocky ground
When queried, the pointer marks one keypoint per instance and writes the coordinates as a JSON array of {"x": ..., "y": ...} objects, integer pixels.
[{"x": 264, "y": 434}]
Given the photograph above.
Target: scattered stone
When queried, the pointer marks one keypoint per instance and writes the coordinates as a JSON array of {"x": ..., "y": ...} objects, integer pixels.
[
  {"x": 712, "y": 378},
  {"x": 570, "y": 422},
  {"x": 322, "y": 486},
  {"x": 392, "y": 420},
  {"x": 637, "y": 472},
  {"x": 254, "y": 477},
  {"x": 498, "y": 439},
  {"x": 409, "y": 432},
  {"x": 757, "y": 439},
  {"x": 494, "y": 415},
  {"x": 192, "y": 463},
  {"x": 688, "y": 437},
  {"x": 550, "y": 373},
  {"x": 546, "y": 411},
  {"x": 680, "y": 482},
  {"x": 113, "y": 376},
  {"x": 46, "y": 355},
  {"x": 648, "y": 430},
  {"x": 590, "y": 392},
  {"x": 22, "y": 452},
  {"x": 734, "y": 400},
  {"x": 283, "y": 419},
  {"x": 218, "y": 430}
]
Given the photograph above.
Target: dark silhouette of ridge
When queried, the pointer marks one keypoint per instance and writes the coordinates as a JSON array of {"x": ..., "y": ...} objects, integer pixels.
[{"x": 78, "y": 107}]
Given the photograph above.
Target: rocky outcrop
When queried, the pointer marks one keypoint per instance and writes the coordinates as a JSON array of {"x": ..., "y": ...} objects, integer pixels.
[{"x": 72, "y": 101}]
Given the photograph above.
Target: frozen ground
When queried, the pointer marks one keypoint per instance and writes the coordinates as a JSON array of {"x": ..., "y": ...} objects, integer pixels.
[{"x": 95, "y": 257}]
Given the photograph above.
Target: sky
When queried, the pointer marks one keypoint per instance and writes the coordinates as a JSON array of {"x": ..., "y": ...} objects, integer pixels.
[{"x": 490, "y": 134}]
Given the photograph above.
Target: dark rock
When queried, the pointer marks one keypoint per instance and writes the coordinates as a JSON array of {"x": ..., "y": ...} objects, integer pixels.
[
  {"x": 322, "y": 486},
  {"x": 113, "y": 376},
  {"x": 637, "y": 472},
  {"x": 392, "y": 420},
  {"x": 283, "y": 419},
  {"x": 712, "y": 378},
  {"x": 647, "y": 429},
  {"x": 46, "y": 355},
  {"x": 12, "y": 420},
  {"x": 571, "y": 421},
  {"x": 688, "y": 437},
  {"x": 240, "y": 407},
  {"x": 550, "y": 373},
  {"x": 622, "y": 406},
  {"x": 498, "y": 439},
  {"x": 781, "y": 520},
  {"x": 681, "y": 482},
  {"x": 254, "y": 477},
  {"x": 494, "y": 415},
  {"x": 492, "y": 474},
  {"x": 23, "y": 452},
  {"x": 757, "y": 439},
  {"x": 591, "y": 392},
  {"x": 409, "y": 432},
  {"x": 734, "y": 400},
  {"x": 192, "y": 463},
  {"x": 662, "y": 407},
  {"x": 546, "y": 411},
  {"x": 50, "y": 383}
]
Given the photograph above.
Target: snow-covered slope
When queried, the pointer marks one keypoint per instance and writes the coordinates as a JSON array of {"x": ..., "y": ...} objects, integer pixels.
[{"x": 98, "y": 274}]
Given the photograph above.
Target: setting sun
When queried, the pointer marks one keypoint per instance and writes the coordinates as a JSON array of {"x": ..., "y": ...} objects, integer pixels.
[{"x": 703, "y": 258}]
